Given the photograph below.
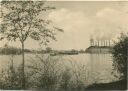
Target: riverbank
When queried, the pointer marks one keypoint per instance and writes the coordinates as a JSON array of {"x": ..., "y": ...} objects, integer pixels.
[
  {"x": 118, "y": 85},
  {"x": 99, "y": 49}
]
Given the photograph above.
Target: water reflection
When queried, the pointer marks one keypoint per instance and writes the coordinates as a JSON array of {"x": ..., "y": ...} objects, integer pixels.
[{"x": 99, "y": 66}]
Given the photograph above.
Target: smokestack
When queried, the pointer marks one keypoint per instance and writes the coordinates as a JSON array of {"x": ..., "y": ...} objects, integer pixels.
[
  {"x": 98, "y": 43},
  {"x": 109, "y": 42},
  {"x": 91, "y": 42},
  {"x": 101, "y": 43},
  {"x": 104, "y": 43},
  {"x": 95, "y": 43}
]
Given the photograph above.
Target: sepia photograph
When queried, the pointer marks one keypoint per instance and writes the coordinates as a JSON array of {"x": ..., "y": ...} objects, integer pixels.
[{"x": 63, "y": 45}]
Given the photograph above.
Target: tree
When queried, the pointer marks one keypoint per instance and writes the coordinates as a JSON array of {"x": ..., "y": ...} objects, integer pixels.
[
  {"x": 120, "y": 55},
  {"x": 21, "y": 20},
  {"x": 48, "y": 49}
]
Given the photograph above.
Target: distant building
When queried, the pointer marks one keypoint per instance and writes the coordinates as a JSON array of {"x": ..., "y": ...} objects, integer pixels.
[{"x": 100, "y": 42}]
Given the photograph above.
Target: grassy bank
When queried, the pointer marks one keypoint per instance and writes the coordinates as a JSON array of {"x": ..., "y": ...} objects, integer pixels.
[{"x": 118, "y": 85}]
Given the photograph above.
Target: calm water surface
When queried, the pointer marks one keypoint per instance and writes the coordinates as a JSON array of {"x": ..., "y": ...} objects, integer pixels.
[{"x": 98, "y": 66}]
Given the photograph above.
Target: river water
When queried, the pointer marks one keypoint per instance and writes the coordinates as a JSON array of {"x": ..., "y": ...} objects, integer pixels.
[{"x": 98, "y": 66}]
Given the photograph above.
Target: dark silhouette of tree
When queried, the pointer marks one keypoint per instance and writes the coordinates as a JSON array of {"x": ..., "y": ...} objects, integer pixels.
[
  {"x": 48, "y": 49},
  {"x": 120, "y": 55},
  {"x": 22, "y": 20}
]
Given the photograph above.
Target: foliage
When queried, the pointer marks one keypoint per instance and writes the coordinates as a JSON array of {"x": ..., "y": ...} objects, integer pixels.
[
  {"x": 44, "y": 72},
  {"x": 51, "y": 73},
  {"x": 65, "y": 79},
  {"x": 10, "y": 77},
  {"x": 120, "y": 55},
  {"x": 79, "y": 75},
  {"x": 21, "y": 19},
  {"x": 25, "y": 19},
  {"x": 48, "y": 49}
]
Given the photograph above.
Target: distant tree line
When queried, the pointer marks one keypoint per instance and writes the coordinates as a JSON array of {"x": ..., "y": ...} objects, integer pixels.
[{"x": 10, "y": 50}]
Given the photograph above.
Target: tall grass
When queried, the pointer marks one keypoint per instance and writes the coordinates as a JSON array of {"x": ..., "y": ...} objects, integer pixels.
[
  {"x": 52, "y": 73},
  {"x": 10, "y": 76},
  {"x": 46, "y": 72}
]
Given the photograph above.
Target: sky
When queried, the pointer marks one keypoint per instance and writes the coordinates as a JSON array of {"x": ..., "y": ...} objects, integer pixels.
[{"x": 82, "y": 20}]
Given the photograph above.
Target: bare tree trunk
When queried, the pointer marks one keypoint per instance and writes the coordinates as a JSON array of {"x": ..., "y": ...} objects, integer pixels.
[
  {"x": 127, "y": 63},
  {"x": 12, "y": 70},
  {"x": 23, "y": 73}
]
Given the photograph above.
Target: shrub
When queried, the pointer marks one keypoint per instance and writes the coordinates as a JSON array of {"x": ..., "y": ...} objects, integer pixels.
[
  {"x": 46, "y": 72},
  {"x": 120, "y": 55},
  {"x": 65, "y": 79},
  {"x": 51, "y": 73}
]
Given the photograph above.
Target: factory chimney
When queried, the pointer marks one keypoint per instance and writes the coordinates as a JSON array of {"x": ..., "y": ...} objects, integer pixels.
[
  {"x": 109, "y": 42},
  {"x": 98, "y": 44},
  {"x": 91, "y": 42}
]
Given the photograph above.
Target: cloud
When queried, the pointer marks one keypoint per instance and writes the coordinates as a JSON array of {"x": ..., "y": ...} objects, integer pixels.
[
  {"x": 103, "y": 24},
  {"x": 74, "y": 25},
  {"x": 86, "y": 0},
  {"x": 108, "y": 23},
  {"x": 69, "y": 19}
]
